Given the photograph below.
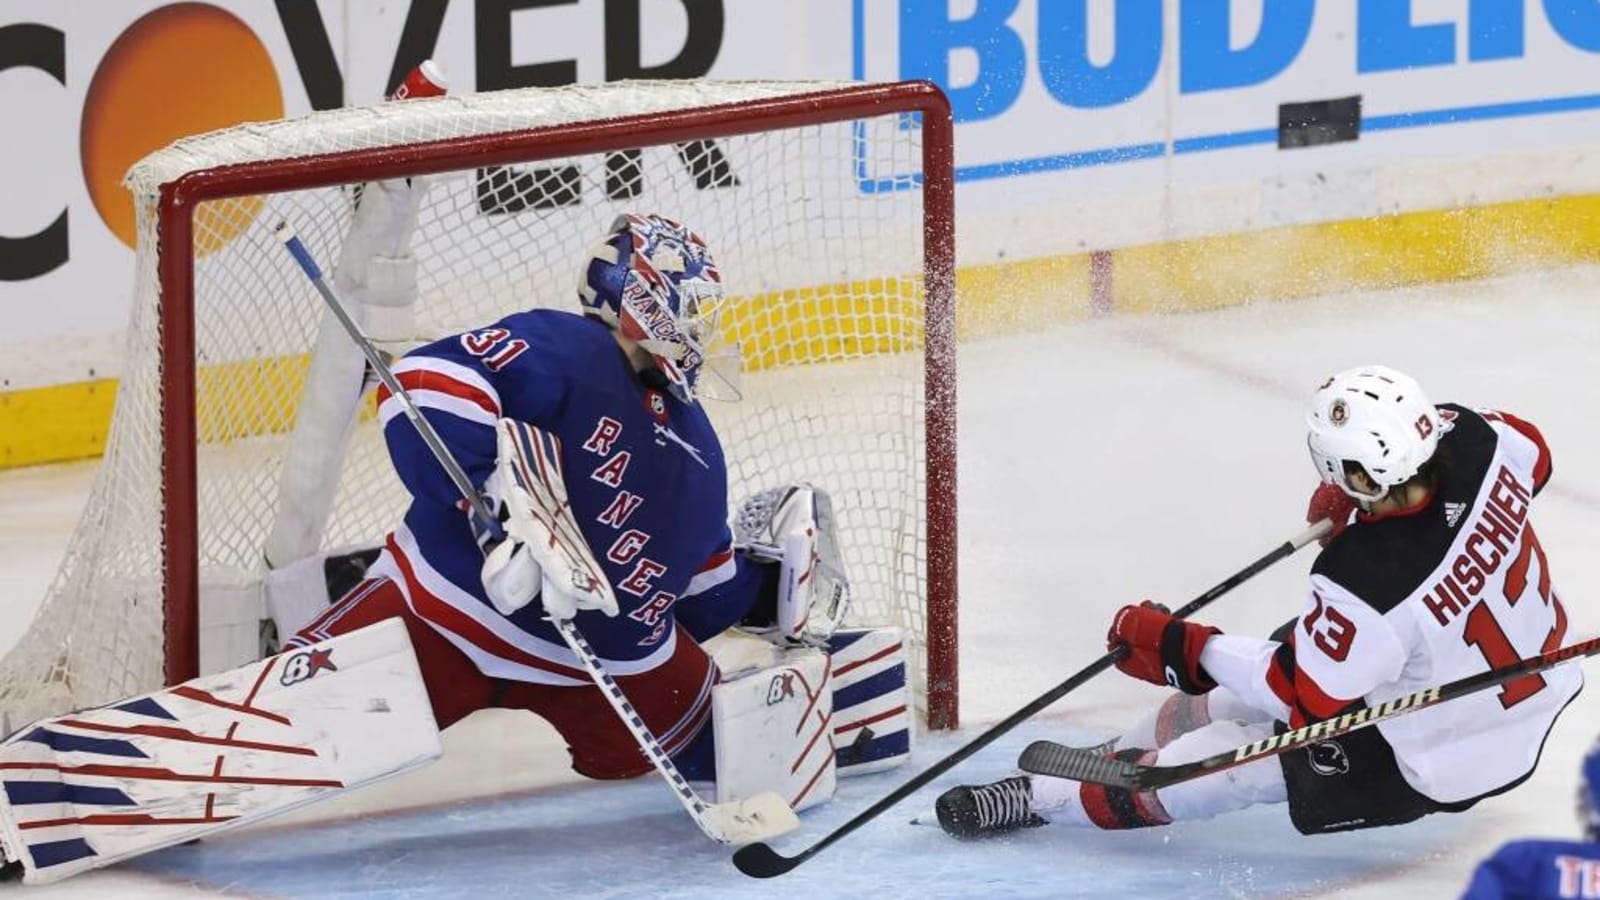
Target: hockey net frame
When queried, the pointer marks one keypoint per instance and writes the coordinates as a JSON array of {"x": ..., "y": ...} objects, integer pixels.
[{"x": 181, "y": 197}]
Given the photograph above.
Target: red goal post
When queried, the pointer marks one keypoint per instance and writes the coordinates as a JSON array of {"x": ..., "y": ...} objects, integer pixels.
[{"x": 182, "y": 249}]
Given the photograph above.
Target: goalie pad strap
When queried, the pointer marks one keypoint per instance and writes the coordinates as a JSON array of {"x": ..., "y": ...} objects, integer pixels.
[{"x": 388, "y": 299}]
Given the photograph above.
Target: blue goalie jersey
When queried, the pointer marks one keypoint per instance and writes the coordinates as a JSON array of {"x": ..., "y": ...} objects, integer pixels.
[
  {"x": 1535, "y": 870},
  {"x": 645, "y": 476}
]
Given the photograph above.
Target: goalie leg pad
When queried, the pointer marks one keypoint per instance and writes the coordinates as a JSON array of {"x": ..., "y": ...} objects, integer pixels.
[
  {"x": 303, "y": 590},
  {"x": 90, "y": 788},
  {"x": 456, "y": 688},
  {"x": 774, "y": 731},
  {"x": 871, "y": 700},
  {"x": 388, "y": 299}
]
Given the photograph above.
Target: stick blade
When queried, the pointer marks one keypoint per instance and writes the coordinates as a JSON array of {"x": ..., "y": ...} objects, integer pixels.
[
  {"x": 761, "y": 861},
  {"x": 1078, "y": 764},
  {"x": 754, "y": 819}
]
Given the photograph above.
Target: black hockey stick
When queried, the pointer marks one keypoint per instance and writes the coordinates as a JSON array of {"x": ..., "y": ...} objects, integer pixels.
[
  {"x": 760, "y": 861},
  {"x": 1047, "y": 758}
]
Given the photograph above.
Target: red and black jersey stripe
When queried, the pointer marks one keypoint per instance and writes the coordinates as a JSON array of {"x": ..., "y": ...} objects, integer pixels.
[
  {"x": 1542, "y": 468},
  {"x": 1306, "y": 699}
]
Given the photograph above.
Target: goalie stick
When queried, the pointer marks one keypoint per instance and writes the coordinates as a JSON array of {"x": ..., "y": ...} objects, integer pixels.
[
  {"x": 735, "y": 822},
  {"x": 1080, "y": 764},
  {"x": 761, "y": 861}
]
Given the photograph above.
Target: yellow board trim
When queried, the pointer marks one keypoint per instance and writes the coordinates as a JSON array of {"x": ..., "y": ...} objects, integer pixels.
[
  {"x": 1360, "y": 254},
  {"x": 56, "y": 423},
  {"x": 69, "y": 421}
]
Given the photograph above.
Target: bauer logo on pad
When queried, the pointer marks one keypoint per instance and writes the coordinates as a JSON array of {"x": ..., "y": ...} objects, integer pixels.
[
  {"x": 304, "y": 666},
  {"x": 781, "y": 688}
]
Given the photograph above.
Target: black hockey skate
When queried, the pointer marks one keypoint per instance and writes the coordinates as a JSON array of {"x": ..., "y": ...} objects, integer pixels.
[{"x": 986, "y": 810}]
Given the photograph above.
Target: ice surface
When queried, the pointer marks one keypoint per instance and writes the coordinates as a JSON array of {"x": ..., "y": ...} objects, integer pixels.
[{"x": 1100, "y": 463}]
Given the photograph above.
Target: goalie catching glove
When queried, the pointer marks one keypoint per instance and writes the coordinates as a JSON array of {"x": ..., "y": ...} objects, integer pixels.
[
  {"x": 543, "y": 554},
  {"x": 793, "y": 525}
]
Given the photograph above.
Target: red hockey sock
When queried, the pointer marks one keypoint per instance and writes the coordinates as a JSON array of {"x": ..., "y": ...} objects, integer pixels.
[{"x": 1112, "y": 808}]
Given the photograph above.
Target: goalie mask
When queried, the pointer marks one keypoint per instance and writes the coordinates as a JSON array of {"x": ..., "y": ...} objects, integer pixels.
[
  {"x": 653, "y": 281},
  {"x": 1375, "y": 418}
]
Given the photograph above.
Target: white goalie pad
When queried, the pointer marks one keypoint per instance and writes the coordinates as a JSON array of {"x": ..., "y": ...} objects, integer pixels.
[
  {"x": 296, "y": 594},
  {"x": 231, "y": 617},
  {"x": 774, "y": 731},
  {"x": 90, "y": 788},
  {"x": 872, "y": 711},
  {"x": 377, "y": 280},
  {"x": 377, "y": 271}
]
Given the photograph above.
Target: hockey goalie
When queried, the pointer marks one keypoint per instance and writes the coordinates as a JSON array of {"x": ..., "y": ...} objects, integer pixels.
[{"x": 585, "y": 436}]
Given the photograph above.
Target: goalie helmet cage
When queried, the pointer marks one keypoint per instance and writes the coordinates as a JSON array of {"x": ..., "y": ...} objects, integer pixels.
[{"x": 830, "y": 207}]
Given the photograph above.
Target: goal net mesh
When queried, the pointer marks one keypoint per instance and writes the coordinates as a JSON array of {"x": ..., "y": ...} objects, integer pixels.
[{"x": 817, "y": 229}]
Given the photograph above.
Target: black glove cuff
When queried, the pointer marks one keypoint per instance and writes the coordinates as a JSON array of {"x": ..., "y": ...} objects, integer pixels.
[{"x": 1182, "y": 672}]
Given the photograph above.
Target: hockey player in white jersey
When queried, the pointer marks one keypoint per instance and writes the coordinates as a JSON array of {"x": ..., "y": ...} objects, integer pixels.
[{"x": 1432, "y": 572}]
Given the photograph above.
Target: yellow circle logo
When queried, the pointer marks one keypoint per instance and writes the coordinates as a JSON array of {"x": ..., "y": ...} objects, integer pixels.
[{"x": 179, "y": 70}]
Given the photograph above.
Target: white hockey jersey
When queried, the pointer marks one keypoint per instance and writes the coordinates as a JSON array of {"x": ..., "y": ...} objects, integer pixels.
[{"x": 1424, "y": 596}]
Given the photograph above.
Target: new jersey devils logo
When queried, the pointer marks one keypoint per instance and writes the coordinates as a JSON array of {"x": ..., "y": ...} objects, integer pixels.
[{"x": 1328, "y": 758}]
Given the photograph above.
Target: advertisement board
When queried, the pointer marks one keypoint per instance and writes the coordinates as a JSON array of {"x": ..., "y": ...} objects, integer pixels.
[{"x": 1082, "y": 125}]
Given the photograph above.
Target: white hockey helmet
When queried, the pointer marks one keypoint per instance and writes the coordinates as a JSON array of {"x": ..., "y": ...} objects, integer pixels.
[{"x": 1376, "y": 418}]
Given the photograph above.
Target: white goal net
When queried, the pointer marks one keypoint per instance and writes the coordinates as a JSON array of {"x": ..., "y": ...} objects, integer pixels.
[{"x": 818, "y": 227}]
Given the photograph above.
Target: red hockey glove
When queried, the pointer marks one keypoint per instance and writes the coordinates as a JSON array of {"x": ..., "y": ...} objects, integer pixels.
[
  {"x": 1330, "y": 502},
  {"x": 1161, "y": 649}
]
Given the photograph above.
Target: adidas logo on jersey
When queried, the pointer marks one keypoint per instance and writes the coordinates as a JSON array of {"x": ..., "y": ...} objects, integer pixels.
[{"x": 1453, "y": 513}]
